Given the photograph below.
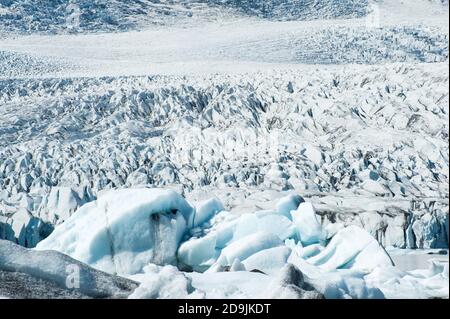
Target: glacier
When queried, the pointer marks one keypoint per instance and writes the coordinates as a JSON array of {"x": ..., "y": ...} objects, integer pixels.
[
  {"x": 118, "y": 234},
  {"x": 124, "y": 230},
  {"x": 224, "y": 149}
]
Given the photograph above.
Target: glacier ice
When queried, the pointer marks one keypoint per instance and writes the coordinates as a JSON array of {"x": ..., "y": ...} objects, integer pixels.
[
  {"x": 245, "y": 247},
  {"x": 205, "y": 210},
  {"x": 164, "y": 283},
  {"x": 226, "y": 104},
  {"x": 309, "y": 229},
  {"x": 49, "y": 270},
  {"x": 253, "y": 259},
  {"x": 269, "y": 260},
  {"x": 351, "y": 248},
  {"x": 288, "y": 203},
  {"x": 124, "y": 230},
  {"x": 289, "y": 283}
]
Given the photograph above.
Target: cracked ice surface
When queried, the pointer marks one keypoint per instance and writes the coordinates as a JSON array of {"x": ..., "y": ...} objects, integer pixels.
[{"x": 372, "y": 133}]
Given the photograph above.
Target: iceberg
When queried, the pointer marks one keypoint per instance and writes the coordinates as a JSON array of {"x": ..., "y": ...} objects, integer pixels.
[
  {"x": 124, "y": 230},
  {"x": 308, "y": 226},
  {"x": 351, "y": 248},
  {"x": 177, "y": 250}
]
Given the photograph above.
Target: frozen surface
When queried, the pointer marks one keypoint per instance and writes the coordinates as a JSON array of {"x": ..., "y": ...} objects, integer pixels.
[
  {"x": 412, "y": 259},
  {"x": 309, "y": 229},
  {"x": 124, "y": 230},
  {"x": 26, "y": 273},
  {"x": 188, "y": 133},
  {"x": 235, "y": 256},
  {"x": 271, "y": 147}
]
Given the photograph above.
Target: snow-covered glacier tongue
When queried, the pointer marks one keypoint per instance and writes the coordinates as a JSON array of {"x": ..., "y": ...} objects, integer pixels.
[{"x": 224, "y": 148}]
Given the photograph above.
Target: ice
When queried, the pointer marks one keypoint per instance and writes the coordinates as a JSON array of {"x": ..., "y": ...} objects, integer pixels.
[
  {"x": 289, "y": 284},
  {"x": 337, "y": 284},
  {"x": 288, "y": 203},
  {"x": 304, "y": 135},
  {"x": 164, "y": 283},
  {"x": 351, "y": 248},
  {"x": 266, "y": 222},
  {"x": 431, "y": 283},
  {"x": 60, "y": 204},
  {"x": 230, "y": 285},
  {"x": 241, "y": 257},
  {"x": 141, "y": 139},
  {"x": 124, "y": 230},
  {"x": 199, "y": 254},
  {"x": 310, "y": 251},
  {"x": 245, "y": 247},
  {"x": 205, "y": 210},
  {"x": 269, "y": 261},
  {"x": 55, "y": 269},
  {"x": 307, "y": 224}
]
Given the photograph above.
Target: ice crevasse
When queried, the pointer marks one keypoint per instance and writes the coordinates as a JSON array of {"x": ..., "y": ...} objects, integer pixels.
[{"x": 126, "y": 231}]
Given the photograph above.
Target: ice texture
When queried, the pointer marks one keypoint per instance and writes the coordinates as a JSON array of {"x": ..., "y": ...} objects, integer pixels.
[
  {"x": 51, "y": 270},
  {"x": 122, "y": 231},
  {"x": 309, "y": 229},
  {"x": 224, "y": 148},
  {"x": 150, "y": 236}
]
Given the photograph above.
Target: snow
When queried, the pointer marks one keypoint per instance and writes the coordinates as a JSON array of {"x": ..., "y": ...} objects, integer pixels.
[
  {"x": 122, "y": 231},
  {"x": 269, "y": 261}
]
